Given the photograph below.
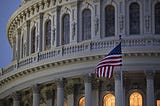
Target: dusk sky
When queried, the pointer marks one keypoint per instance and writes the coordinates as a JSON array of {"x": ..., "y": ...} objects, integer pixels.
[{"x": 7, "y": 8}]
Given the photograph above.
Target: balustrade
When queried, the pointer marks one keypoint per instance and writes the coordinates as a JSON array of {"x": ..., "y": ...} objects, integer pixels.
[{"x": 80, "y": 48}]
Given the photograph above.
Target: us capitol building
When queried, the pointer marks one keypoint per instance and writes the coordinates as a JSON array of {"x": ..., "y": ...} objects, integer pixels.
[{"x": 57, "y": 44}]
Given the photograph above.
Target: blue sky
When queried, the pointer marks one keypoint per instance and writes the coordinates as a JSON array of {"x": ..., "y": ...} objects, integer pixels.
[{"x": 7, "y": 8}]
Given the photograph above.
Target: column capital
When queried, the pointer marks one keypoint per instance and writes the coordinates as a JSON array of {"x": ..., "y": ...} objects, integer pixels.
[
  {"x": 117, "y": 75},
  {"x": 60, "y": 82},
  {"x": 149, "y": 74},
  {"x": 35, "y": 89},
  {"x": 87, "y": 78},
  {"x": 16, "y": 96}
]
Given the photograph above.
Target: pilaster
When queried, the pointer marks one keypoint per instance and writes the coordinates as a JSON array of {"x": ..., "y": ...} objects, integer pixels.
[
  {"x": 27, "y": 38},
  {"x": 16, "y": 99}
]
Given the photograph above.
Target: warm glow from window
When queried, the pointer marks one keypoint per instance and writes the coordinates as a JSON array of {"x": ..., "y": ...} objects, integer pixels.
[
  {"x": 65, "y": 104},
  {"x": 109, "y": 100},
  {"x": 136, "y": 99},
  {"x": 82, "y": 101},
  {"x": 158, "y": 102}
]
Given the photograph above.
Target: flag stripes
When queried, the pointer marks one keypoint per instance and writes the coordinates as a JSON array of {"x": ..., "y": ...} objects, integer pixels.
[{"x": 106, "y": 66}]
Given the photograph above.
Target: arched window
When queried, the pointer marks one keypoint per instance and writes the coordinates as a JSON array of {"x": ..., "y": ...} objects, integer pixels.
[
  {"x": 65, "y": 29},
  {"x": 109, "y": 21},
  {"x": 86, "y": 24},
  {"x": 65, "y": 103},
  {"x": 135, "y": 99},
  {"x": 33, "y": 36},
  {"x": 82, "y": 101},
  {"x": 157, "y": 18},
  {"x": 48, "y": 34},
  {"x": 109, "y": 100},
  {"x": 134, "y": 18},
  {"x": 158, "y": 102}
]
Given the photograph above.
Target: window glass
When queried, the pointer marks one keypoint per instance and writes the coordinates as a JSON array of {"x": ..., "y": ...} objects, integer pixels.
[
  {"x": 157, "y": 18},
  {"x": 134, "y": 18},
  {"x": 135, "y": 99},
  {"x": 33, "y": 35},
  {"x": 158, "y": 102},
  {"x": 48, "y": 34},
  {"x": 66, "y": 29},
  {"x": 86, "y": 24},
  {"x": 82, "y": 101},
  {"x": 109, "y": 100},
  {"x": 109, "y": 21}
]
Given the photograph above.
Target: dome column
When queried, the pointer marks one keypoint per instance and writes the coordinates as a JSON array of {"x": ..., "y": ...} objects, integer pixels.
[
  {"x": 118, "y": 93},
  {"x": 60, "y": 92},
  {"x": 150, "y": 88},
  {"x": 88, "y": 90},
  {"x": 36, "y": 95}
]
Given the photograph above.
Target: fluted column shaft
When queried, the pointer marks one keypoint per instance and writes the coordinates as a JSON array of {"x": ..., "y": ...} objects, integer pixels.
[
  {"x": 118, "y": 92},
  {"x": 60, "y": 93},
  {"x": 150, "y": 89},
  {"x": 36, "y": 95},
  {"x": 88, "y": 91},
  {"x": 16, "y": 99}
]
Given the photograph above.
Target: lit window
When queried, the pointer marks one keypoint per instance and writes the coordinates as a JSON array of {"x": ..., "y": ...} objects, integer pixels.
[
  {"x": 109, "y": 100},
  {"x": 157, "y": 18},
  {"x": 135, "y": 99},
  {"x": 158, "y": 102},
  {"x": 134, "y": 18},
  {"x": 86, "y": 24},
  {"x": 65, "y": 29},
  {"x": 48, "y": 34},
  {"x": 82, "y": 101},
  {"x": 33, "y": 36},
  {"x": 109, "y": 21},
  {"x": 65, "y": 103}
]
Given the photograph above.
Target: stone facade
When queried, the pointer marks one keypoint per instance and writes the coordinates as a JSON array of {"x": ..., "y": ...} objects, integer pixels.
[{"x": 59, "y": 70}]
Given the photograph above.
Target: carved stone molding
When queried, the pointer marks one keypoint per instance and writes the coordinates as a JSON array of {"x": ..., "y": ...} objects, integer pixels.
[
  {"x": 60, "y": 83},
  {"x": 16, "y": 96},
  {"x": 149, "y": 74},
  {"x": 117, "y": 75},
  {"x": 87, "y": 78},
  {"x": 35, "y": 89}
]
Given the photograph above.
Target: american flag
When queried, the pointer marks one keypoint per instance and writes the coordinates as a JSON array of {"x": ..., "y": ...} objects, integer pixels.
[{"x": 105, "y": 67}]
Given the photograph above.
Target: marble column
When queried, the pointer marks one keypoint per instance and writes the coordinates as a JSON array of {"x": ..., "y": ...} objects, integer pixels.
[
  {"x": 88, "y": 90},
  {"x": 60, "y": 92},
  {"x": 16, "y": 99},
  {"x": 118, "y": 93},
  {"x": 2, "y": 103},
  {"x": 150, "y": 89},
  {"x": 95, "y": 92},
  {"x": 36, "y": 95}
]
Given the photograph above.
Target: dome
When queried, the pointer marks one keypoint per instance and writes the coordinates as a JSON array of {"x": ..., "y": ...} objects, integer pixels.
[{"x": 57, "y": 45}]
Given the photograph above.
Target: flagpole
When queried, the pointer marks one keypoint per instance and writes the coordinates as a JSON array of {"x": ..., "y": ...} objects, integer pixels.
[{"x": 120, "y": 39}]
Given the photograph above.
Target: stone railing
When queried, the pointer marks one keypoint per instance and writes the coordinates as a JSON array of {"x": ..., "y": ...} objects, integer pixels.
[{"x": 86, "y": 47}]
